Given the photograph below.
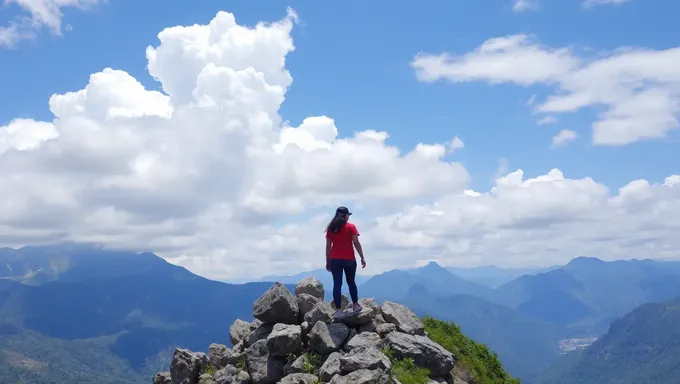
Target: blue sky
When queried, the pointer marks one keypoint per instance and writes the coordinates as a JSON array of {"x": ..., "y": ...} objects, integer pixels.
[
  {"x": 352, "y": 63},
  {"x": 172, "y": 168}
]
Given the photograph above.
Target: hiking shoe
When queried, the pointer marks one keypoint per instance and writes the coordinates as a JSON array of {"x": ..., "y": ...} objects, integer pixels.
[
  {"x": 339, "y": 313},
  {"x": 356, "y": 307}
]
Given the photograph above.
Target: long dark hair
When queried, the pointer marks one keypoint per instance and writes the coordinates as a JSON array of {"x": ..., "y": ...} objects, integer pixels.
[{"x": 337, "y": 222}]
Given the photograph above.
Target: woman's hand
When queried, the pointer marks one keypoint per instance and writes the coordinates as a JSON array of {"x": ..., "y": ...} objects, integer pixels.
[
  {"x": 363, "y": 263},
  {"x": 328, "y": 266}
]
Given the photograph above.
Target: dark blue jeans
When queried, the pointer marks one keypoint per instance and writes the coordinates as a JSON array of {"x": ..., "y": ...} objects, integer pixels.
[{"x": 339, "y": 266}]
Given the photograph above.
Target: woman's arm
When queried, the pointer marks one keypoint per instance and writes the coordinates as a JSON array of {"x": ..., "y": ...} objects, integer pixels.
[
  {"x": 357, "y": 245},
  {"x": 328, "y": 252}
]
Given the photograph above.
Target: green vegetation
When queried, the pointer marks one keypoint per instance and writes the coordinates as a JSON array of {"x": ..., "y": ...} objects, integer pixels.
[
  {"x": 482, "y": 364},
  {"x": 241, "y": 363},
  {"x": 208, "y": 369},
  {"x": 408, "y": 373},
  {"x": 311, "y": 363},
  {"x": 642, "y": 347}
]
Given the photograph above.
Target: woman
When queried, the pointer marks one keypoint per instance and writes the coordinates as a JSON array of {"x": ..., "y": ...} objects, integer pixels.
[{"x": 341, "y": 238}]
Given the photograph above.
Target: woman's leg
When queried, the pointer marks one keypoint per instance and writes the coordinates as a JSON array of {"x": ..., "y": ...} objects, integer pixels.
[
  {"x": 350, "y": 268},
  {"x": 336, "y": 270}
]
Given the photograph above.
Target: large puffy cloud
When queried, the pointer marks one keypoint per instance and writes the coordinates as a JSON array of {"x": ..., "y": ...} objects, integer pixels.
[
  {"x": 638, "y": 88},
  {"x": 209, "y": 175}
]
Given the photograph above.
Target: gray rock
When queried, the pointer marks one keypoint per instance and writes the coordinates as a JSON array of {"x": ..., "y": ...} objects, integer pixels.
[
  {"x": 162, "y": 378},
  {"x": 370, "y": 327},
  {"x": 240, "y": 347},
  {"x": 424, "y": 352},
  {"x": 231, "y": 375},
  {"x": 305, "y": 304},
  {"x": 264, "y": 369},
  {"x": 239, "y": 331},
  {"x": 296, "y": 366},
  {"x": 220, "y": 356},
  {"x": 260, "y": 333},
  {"x": 365, "y": 339},
  {"x": 405, "y": 320},
  {"x": 326, "y": 338},
  {"x": 344, "y": 302},
  {"x": 363, "y": 376},
  {"x": 276, "y": 305},
  {"x": 299, "y": 378},
  {"x": 311, "y": 286},
  {"x": 330, "y": 367},
  {"x": 365, "y": 358},
  {"x": 284, "y": 339},
  {"x": 186, "y": 366},
  {"x": 320, "y": 312},
  {"x": 206, "y": 379},
  {"x": 385, "y": 329},
  {"x": 369, "y": 310}
]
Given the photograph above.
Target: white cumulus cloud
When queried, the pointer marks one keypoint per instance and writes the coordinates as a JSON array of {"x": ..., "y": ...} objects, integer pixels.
[
  {"x": 209, "y": 175},
  {"x": 563, "y": 137}
]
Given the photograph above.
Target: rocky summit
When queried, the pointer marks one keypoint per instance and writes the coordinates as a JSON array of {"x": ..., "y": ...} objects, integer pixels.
[{"x": 294, "y": 339}]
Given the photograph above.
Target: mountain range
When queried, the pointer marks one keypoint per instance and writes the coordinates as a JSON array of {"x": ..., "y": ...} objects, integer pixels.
[{"x": 71, "y": 309}]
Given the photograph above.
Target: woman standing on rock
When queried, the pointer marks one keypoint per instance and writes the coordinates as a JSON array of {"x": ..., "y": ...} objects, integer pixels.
[{"x": 341, "y": 238}]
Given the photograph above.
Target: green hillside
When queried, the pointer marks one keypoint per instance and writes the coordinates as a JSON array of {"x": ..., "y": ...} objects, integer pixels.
[{"x": 643, "y": 347}]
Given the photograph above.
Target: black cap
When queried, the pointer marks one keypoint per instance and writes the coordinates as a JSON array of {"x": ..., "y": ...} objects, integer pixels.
[{"x": 343, "y": 210}]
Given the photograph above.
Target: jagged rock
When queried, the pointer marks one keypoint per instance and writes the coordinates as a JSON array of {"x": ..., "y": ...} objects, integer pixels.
[
  {"x": 239, "y": 331},
  {"x": 458, "y": 380},
  {"x": 369, "y": 310},
  {"x": 231, "y": 375},
  {"x": 326, "y": 338},
  {"x": 305, "y": 327},
  {"x": 344, "y": 302},
  {"x": 299, "y": 378},
  {"x": 305, "y": 303},
  {"x": 264, "y": 369},
  {"x": 205, "y": 379},
  {"x": 365, "y": 358},
  {"x": 311, "y": 286},
  {"x": 424, "y": 352},
  {"x": 330, "y": 367},
  {"x": 363, "y": 376},
  {"x": 162, "y": 378},
  {"x": 296, "y": 366},
  {"x": 276, "y": 305},
  {"x": 320, "y": 312},
  {"x": 260, "y": 333},
  {"x": 240, "y": 347},
  {"x": 373, "y": 325},
  {"x": 365, "y": 339},
  {"x": 284, "y": 339},
  {"x": 405, "y": 320},
  {"x": 352, "y": 333},
  {"x": 186, "y": 366},
  {"x": 220, "y": 356},
  {"x": 385, "y": 329}
]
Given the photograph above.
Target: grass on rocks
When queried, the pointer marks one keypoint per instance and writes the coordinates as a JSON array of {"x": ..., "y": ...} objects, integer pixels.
[
  {"x": 482, "y": 364},
  {"x": 311, "y": 364},
  {"x": 406, "y": 371}
]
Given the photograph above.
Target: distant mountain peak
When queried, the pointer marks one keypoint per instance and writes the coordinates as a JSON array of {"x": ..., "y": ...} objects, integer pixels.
[{"x": 585, "y": 260}]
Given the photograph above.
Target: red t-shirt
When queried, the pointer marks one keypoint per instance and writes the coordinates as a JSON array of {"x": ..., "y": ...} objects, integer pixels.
[{"x": 342, "y": 246}]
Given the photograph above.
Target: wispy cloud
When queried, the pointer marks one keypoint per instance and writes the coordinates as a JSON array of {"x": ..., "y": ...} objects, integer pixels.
[
  {"x": 38, "y": 14},
  {"x": 563, "y": 137},
  {"x": 547, "y": 120}
]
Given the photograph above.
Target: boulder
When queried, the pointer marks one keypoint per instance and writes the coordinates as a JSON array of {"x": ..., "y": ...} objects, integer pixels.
[
  {"x": 363, "y": 376},
  {"x": 330, "y": 367},
  {"x": 370, "y": 309},
  {"x": 311, "y": 286},
  {"x": 186, "y": 366},
  {"x": 284, "y": 339},
  {"x": 305, "y": 304},
  {"x": 231, "y": 375},
  {"x": 220, "y": 356},
  {"x": 276, "y": 305},
  {"x": 424, "y": 352},
  {"x": 206, "y": 379},
  {"x": 299, "y": 378},
  {"x": 239, "y": 331},
  {"x": 264, "y": 369},
  {"x": 385, "y": 329},
  {"x": 326, "y": 338},
  {"x": 405, "y": 320},
  {"x": 162, "y": 378},
  {"x": 365, "y": 358},
  {"x": 296, "y": 366},
  {"x": 344, "y": 302},
  {"x": 260, "y": 333},
  {"x": 365, "y": 339},
  {"x": 320, "y": 312}
]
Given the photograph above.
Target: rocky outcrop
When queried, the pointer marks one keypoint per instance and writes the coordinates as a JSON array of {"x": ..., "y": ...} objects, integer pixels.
[{"x": 296, "y": 340}]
